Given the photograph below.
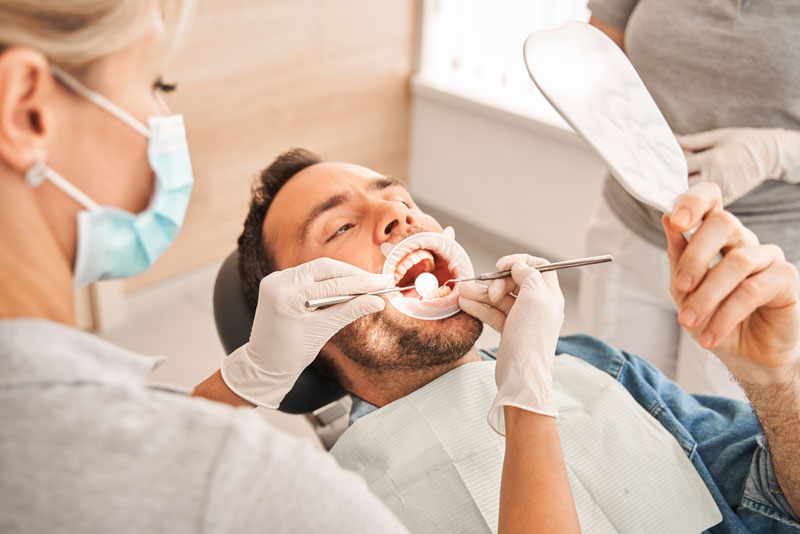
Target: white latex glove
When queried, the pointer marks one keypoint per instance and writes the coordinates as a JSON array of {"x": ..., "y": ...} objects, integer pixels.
[
  {"x": 529, "y": 326},
  {"x": 286, "y": 337},
  {"x": 740, "y": 159}
]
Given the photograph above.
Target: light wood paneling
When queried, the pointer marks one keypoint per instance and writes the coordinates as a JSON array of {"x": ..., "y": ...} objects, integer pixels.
[{"x": 257, "y": 77}]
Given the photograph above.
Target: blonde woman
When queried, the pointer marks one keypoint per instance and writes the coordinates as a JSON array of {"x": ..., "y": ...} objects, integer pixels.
[
  {"x": 95, "y": 178},
  {"x": 86, "y": 142}
]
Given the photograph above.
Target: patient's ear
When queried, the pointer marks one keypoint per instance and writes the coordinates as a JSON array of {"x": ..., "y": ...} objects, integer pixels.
[{"x": 27, "y": 91}]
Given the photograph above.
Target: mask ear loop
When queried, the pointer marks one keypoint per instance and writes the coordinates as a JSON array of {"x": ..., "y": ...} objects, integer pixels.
[
  {"x": 100, "y": 100},
  {"x": 39, "y": 172}
]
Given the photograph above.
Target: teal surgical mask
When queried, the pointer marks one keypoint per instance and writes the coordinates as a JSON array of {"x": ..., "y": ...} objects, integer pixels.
[{"x": 113, "y": 243}]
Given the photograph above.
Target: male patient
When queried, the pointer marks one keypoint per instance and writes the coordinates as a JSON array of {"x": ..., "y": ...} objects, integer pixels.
[{"x": 641, "y": 453}]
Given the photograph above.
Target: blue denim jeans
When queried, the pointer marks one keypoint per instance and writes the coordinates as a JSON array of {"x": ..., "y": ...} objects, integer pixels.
[{"x": 721, "y": 437}]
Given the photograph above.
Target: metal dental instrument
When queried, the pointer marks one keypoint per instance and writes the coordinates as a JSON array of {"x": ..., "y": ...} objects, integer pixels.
[
  {"x": 329, "y": 301},
  {"x": 541, "y": 268}
]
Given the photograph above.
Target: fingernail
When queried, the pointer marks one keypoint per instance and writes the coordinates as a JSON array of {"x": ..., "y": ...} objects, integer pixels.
[
  {"x": 707, "y": 339},
  {"x": 688, "y": 317},
  {"x": 683, "y": 281},
  {"x": 681, "y": 218}
]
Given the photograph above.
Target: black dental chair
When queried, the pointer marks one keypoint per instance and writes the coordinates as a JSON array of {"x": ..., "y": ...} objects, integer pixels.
[{"x": 324, "y": 403}]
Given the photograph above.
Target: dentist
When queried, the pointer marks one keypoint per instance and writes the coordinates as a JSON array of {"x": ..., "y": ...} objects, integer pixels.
[{"x": 95, "y": 179}]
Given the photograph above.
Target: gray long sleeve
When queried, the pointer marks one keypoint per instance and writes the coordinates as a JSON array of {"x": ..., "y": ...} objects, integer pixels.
[{"x": 86, "y": 445}]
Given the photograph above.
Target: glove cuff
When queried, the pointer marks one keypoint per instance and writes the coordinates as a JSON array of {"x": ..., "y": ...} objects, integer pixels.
[
  {"x": 541, "y": 403},
  {"x": 788, "y": 142},
  {"x": 253, "y": 384}
]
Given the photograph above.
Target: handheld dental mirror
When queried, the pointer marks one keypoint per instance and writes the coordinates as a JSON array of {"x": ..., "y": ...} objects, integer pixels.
[
  {"x": 427, "y": 282},
  {"x": 593, "y": 85}
]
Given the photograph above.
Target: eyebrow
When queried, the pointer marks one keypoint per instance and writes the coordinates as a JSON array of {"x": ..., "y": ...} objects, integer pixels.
[
  {"x": 333, "y": 202},
  {"x": 339, "y": 199},
  {"x": 385, "y": 183}
]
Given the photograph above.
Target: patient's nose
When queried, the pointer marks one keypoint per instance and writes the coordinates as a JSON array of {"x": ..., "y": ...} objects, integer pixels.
[{"x": 395, "y": 219}]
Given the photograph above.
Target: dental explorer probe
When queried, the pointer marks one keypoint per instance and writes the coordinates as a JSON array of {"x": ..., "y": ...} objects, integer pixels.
[
  {"x": 541, "y": 268},
  {"x": 329, "y": 301}
]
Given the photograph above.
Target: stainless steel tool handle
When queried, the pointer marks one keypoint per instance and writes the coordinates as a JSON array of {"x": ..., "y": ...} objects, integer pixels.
[
  {"x": 574, "y": 263},
  {"x": 550, "y": 267},
  {"x": 330, "y": 301},
  {"x": 491, "y": 276}
]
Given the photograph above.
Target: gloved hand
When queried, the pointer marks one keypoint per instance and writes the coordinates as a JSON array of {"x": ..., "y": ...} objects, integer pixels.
[
  {"x": 286, "y": 337},
  {"x": 740, "y": 159},
  {"x": 529, "y": 326}
]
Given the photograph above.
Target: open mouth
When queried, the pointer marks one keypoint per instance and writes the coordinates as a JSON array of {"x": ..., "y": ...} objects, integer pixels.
[
  {"x": 421, "y": 261},
  {"x": 427, "y": 252}
]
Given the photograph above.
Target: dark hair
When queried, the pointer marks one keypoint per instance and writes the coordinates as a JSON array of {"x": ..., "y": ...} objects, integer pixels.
[{"x": 255, "y": 260}]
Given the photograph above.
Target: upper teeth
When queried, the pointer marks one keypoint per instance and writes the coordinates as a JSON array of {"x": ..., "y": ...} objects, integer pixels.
[{"x": 409, "y": 261}]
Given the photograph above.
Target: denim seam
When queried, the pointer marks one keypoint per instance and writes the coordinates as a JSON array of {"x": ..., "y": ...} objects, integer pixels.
[
  {"x": 769, "y": 511},
  {"x": 691, "y": 453},
  {"x": 656, "y": 410},
  {"x": 618, "y": 376}
]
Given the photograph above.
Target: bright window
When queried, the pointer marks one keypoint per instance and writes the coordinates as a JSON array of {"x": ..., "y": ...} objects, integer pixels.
[{"x": 474, "y": 49}]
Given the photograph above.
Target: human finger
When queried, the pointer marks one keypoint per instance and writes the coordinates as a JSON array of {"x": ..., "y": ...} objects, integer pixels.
[
  {"x": 499, "y": 288},
  {"x": 481, "y": 294},
  {"x": 486, "y": 314},
  {"x": 526, "y": 276},
  {"x": 333, "y": 318},
  {"x": 724, "y": 278},
  {"x": 473, "y": 291},
  {"x": 347, "y": 285},
  {"x": 551, "y": 280},
  {"x": 698, "y": 141},
  {"x": 692, "y": 206},
  {"x": 720, "y": 231},
  {"x": 695, "y": 161},
  {"x": 676, "y": 243},
  {"x": 775, "y": 287},
  {"x": 505, "y": 263}
]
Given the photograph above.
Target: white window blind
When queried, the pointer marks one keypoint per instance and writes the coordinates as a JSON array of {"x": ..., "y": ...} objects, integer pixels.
[{"x": 473, "y": 49}]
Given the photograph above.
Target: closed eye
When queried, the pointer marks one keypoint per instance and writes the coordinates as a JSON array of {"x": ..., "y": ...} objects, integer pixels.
[
  {"x": 340, "y": 231},
  {"x": 161, "y": 85}
]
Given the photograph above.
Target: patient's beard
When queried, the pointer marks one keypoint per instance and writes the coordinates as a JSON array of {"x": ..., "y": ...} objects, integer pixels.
[{"x": 391, "y": 341}]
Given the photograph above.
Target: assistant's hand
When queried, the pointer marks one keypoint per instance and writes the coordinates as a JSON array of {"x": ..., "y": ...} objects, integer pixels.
[
  {"x": 286, "y": 337},
  {"x": 745, "y": 308},
  {"x": 529, "y": 324},
  {"x": 739, "y": 159}
]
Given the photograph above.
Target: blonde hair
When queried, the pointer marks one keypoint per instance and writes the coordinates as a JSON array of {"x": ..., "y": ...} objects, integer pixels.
[{"x": 74, "y": 33}]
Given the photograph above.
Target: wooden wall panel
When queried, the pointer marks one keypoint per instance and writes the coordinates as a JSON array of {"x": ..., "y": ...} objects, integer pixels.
[{"x": 257, "y": 77}]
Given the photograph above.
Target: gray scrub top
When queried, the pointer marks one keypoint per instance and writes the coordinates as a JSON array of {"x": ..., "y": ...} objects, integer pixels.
[
  {"x": 86, "y": 445},
  {"x": 714, "y": 64}
]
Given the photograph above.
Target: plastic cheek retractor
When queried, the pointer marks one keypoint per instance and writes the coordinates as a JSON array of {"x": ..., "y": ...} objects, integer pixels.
[{"x": 450, "y": 260}]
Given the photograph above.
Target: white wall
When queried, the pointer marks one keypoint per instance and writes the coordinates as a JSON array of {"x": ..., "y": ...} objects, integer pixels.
[{"x": 523, "y": 180}]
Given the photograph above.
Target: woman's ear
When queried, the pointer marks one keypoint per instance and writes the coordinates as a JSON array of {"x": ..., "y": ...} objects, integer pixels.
[{"x": 27, "y": 97}]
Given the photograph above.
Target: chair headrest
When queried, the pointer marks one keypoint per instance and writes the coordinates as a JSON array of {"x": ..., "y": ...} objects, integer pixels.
[{"x": 233, "y": 315}]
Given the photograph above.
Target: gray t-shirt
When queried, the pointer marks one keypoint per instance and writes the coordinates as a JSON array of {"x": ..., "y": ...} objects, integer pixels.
[
  {"x": 87, "y": 446},
  {"x": 713, "y": 64}
]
